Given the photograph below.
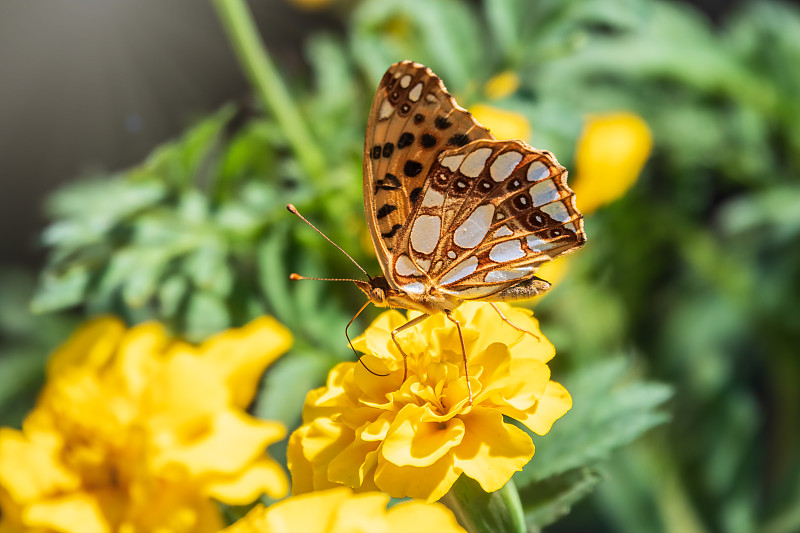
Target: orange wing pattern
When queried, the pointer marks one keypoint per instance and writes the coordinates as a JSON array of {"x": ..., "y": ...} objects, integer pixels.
[{"x": 412, "y": 120}]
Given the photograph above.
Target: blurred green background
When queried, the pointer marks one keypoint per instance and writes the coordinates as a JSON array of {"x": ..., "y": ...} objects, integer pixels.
[{"x": 678, "y": 323}]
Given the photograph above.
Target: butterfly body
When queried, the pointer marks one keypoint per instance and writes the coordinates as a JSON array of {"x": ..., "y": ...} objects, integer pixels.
[{"x": 431, "y": 301}]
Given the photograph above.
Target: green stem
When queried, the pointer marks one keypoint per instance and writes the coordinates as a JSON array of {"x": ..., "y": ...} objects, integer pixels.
[
  {"x": 481, "y": 512},
  {"x": 269, "y": 87}
]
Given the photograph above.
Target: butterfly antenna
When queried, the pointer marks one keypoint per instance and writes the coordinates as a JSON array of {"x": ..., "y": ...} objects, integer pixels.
[
  {"x": 293, "y": 209},
  {"x": 295, "y": 277}
]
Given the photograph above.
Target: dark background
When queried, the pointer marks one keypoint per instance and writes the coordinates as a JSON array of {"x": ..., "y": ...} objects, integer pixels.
[{"x": 93, "y": 85}]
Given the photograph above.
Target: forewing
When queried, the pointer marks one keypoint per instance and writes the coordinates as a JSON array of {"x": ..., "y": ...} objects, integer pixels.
[
  {"x": 412, "y": 120},
  {"x": 490, "y": 214}
]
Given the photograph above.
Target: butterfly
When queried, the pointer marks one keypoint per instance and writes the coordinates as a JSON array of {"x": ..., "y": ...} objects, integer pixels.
[{"x": 455, "y": 214}]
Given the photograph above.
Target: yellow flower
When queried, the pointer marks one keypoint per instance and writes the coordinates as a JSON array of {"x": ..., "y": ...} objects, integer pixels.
[
  {"x": 503, "y": 124},
  {"x": 340, "y": 511},
  {"x": 417, "y": 437},
  {"x": 610, "y": 155},
  {"x": 136, "y": 432},
  {"x": 504, "y": 84}
]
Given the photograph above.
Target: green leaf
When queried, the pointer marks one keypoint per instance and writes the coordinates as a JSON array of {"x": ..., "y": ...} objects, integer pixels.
[
  {"x": 206, "y": 315},
  {"x": 286, "y": 384},
  {"x": 485, "y": 512},
  {"x": 607, "y": 413},
  {"x": 548, "y": 500},
  {"x": 58, "y": 290}
]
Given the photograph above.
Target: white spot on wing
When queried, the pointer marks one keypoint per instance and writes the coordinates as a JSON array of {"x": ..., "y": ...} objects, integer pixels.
[
  {"x": 425, "y": 233},
  {"x": 505, "y": 275},
  {"x": 461, "y": 270},
  {"x": 433, "y": 198},
  {"x": 414, "y": 288},
  {"x": 538, "y": 245},
  {"x": 473, "y": 230},
  {"x": 415, "y": 93},
  {"x": 475, "y": 162},
  {"x": 504, "y": 231},
  {"x": 571, "y": 227},
  {"x": 430, "y": 98},
  {"x": 386, "y": 110},
  {"x": 405, "y": 81},
  {"x": 506, "y": 251},
  {"x": 538, "y": 171},
  {"x": 424, "y": 264},
  {"x": 405, "y": 266},
  {"x": 452, "y": 161},
  {"x": 504, "y": 165},
  {"x": 544, "y": 192},
  {"x": 451, "y": 254},
  {"x": 557, "y": 211}
]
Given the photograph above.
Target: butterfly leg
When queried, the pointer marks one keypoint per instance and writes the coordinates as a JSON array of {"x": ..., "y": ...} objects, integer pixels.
[
  {"x": 507, "y": 321},
  {"x": 409, "y": 324},
  {"x": 358, "y": 355},
  {"x": 455, "y": 321}
]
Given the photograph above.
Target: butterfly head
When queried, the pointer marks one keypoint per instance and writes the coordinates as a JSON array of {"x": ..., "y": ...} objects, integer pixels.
[{"x": 377, "y": 290}]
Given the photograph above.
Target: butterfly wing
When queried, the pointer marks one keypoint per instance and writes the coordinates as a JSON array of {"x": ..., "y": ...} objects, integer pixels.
[
  {"x": 412, "y": 120},
  {"x": 490, "y": 214}
]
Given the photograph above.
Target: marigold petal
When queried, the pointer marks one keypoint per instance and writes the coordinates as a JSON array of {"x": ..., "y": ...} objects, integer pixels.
[
  {"x": 411, "y": 442},
  {"x": 504, "y": 124},
  {"x": 141, "y": 352},
  {"x": 502, "y": 85},
  {"x": 492, "y": 450},
  {"x": 352, "y": 465},
  {"x": 416, "y": 516},
  {"x": 243, "y": 353},
  {"x": 427, "y": 483},
  {"x": 232, "y": 440},
  {"x": 264, "y": 476},
  {"x": 611, "y": 152},
  {"x": 91, "y": 346},
  {"x": 552, "y": 405},
  {"x": 311, "y": 448},
  {"x": 376, "y": 340},
  {"x": 72, "y": 512},
  {"x": 30, "y": 469}
]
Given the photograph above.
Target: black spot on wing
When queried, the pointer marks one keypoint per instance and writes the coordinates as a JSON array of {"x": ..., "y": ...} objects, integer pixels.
[
  {"x": 385, "y": 210},
  {"x": 389, "y": 183},
  {"x": 405, "y": 140},
  {"x": 376, "y": 151},
  {"x": 442, "y": 123},
  {"x": 412, "y": 168},
  {"x": 459, "y": 139},
  {"x": 388, "y": 148},
  {"x": 414, "y": 196},
  {"x": 418, "y": 118},
  {"x": 391, "y": 232},
  {"x": 427, "y": 140}
]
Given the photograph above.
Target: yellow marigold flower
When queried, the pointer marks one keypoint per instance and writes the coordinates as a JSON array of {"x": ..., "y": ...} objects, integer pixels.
[
  {"x": 417, "y": 437},
  {"x": 504, "y": 84},
  {"x": 610, "y": 155},
  {"x": 137, "y": 432},
  {"x": 504, "y": 124},
  {"x": 340, "y": 511}
]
